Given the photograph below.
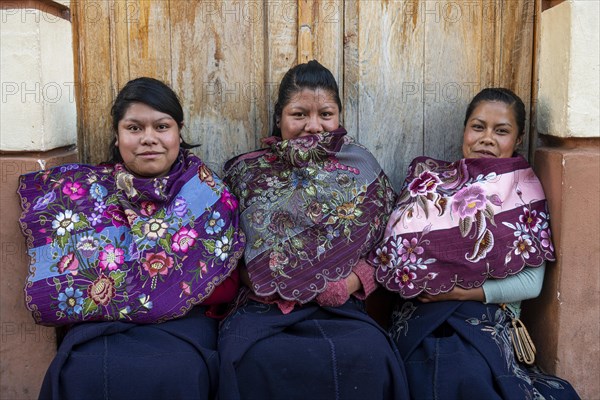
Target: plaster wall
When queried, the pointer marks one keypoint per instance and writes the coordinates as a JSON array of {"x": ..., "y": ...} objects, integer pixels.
[
  {"x": 569, "y": 70},
  {"x": 38, "y": 110}
]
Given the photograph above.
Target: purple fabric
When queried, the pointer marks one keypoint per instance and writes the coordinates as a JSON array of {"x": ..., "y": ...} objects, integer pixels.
[
  {"x": 461, "y": 223},
  {"x": 311, "y": 207},
  {"x": 105, "y": 245}
]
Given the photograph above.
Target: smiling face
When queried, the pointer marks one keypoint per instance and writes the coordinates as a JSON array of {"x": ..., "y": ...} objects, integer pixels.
[
  {"x": 148, "y": 141},
  {"x": 309, "y": 112},
  {"x": 491, "y": 131}
]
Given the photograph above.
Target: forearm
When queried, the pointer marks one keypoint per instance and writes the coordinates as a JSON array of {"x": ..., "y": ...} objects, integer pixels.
[{"x": 527, "y": 284}]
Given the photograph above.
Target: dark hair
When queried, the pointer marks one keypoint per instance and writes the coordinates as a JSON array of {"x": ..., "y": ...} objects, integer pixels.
[
  {"x": 506, "y": 96},
  {"x": 310, "y": 75},
  {"x": 151, "y": 92}
]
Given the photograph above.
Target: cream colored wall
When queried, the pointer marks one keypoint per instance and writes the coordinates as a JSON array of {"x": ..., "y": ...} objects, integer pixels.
[
  {"x": 569, "y": 72},
  {"x": 38, "y": 86}
]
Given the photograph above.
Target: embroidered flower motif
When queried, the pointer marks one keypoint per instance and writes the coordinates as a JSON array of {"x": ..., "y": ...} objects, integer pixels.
[
  {"x": 206, "y": 176},
  {"x": 469, "y": 200},
  {"x": 258, "y": 217},
  {"x": 277, "y": 261},
  {"x": 222, "y": 248},
  {"x": 111, "y": 257},
  {"x": 281, "y": 222},
  {"x": 229, "y": 200},
  {"x": 124, "y": 312},
  {"x": 102, "y": 290},
  {"x": 546, "y": 240},
  {"x": 87, "y": 246},
  {"x": 343, "y": 180},
  {"x": 95, "y": 219},
  {"x": 131, "y": 216},
  {"x": 74, "y": 190},
  {"x": 65, "y": 222},
  {"x": 68, "y": 262},
  {"x": 43, "y": 202},
  {"x": 157, "y": 263},
  {"x": 314, "y": 211},
  {"x": 155, "y": 228},
  {"x": 116, "y": 215},
  {"x": 99, "y": 206},
  {"x": 124, "y": 181},
  {"x": 148, "y": 208},
  {"x": 185, "y": 288},
  {"x": 71, "y": 301},
  {"x": 298, "y": 180},
  {"x": 426, "y": 182},
  {"x": 98, "y": 192},
  {"x": 184, "y": 239},
  {"x": 523, "y": 247},
  {"x": 347, "y": 211},
  {"x": 409, "y": 250},
  {"x": 214, "y": 224},
  {"x": 144, "y": 300},
  {"x": 405, "y": 277},
  {"x": 179, "y": 207},
  {"x": 384, "y": 258},
  {"x": 530, "y": 219}
]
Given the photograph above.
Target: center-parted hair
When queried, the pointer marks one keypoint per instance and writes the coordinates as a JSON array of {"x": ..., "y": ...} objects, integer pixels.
[
  {"x": 151, "y": 92},
  {"x": 310, "y": 75}
]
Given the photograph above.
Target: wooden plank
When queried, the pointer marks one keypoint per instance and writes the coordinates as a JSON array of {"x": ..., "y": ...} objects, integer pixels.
[
  {"x": 390, "y": 56},
  {"x": 149, "y": 39},
  {"x": 455, "y": 38},
  {"x": 217, "y": 59},
  {"x": 92, "y": 28},
  {"x": 281, "y": 52},
  {"x": 328, "y": 38},
  {"x": 516, "y": 44}
]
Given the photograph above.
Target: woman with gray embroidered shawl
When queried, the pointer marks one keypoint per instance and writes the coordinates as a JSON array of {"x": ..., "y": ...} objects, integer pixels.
[
  {"x": 466, "y": 243},
  {"x": 313, "y": 203}
]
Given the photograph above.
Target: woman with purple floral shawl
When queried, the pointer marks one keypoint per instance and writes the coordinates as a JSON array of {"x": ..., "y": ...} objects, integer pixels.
[
  {"x": 463, "y": 238},
  {"x": 313, "y": 203},
  {"x": 135, "y": 256}
]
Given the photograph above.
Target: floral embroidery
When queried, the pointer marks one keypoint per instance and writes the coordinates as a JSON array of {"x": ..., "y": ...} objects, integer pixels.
[
  {"x": 68, "y": 262},
  {"x": 301, "y": 200},
  {"x": 109, "y": 241},
  {"x": 463, "y": 212},
  {"x": 111, "y": 257},
  {"x": 71, "y": 301},
  {"x": 157, "y": 263}
]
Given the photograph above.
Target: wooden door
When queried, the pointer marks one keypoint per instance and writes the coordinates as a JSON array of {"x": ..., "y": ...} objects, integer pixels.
[{"x": 406, "y": 68}]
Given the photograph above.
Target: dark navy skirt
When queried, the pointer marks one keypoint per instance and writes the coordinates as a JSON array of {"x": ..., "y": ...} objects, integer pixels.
[
  {"x": 462, "y": 350},
  {"x": 311, "y": 353},
  {"x": 117, "y": 360}
]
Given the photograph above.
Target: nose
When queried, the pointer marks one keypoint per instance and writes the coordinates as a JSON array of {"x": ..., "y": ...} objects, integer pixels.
[
  {"x": 313, "y": 125},
  {"x": 487, "y": 136},
  {"x": 149, "y": 137}
]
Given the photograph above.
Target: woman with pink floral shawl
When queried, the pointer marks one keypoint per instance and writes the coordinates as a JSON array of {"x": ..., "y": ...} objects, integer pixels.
[{"x": 464, "y": 237}]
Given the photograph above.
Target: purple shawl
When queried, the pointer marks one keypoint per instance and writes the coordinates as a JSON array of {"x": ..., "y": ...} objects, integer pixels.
[
  {"x": 461, "y": 223},
  {"x": 105, "y": 245},
  {"x": 310, "y": 208}
]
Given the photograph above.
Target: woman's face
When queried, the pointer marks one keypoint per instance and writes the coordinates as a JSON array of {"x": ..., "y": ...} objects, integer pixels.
[
  {"x": 491, "y": 131},
  {"x": 309, "y": 112},
  {"x": 148, "y": 141}
]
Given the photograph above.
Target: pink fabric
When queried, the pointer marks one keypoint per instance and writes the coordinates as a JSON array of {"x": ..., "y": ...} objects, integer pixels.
[
  {"x": 335, "y": 294},
  {"x": 366, "y": 274}
]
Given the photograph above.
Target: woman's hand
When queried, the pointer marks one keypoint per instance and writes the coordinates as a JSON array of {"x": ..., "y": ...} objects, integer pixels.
[{"x": 458, "y": 293}]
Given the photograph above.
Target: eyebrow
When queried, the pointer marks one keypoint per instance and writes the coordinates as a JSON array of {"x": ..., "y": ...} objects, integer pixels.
[
  {"x": 485, "y": 122},
  {"x": 130, "y": 119}
]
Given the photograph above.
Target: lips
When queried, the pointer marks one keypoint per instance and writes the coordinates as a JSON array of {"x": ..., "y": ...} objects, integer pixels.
[{"x": 484, "y": 153}]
